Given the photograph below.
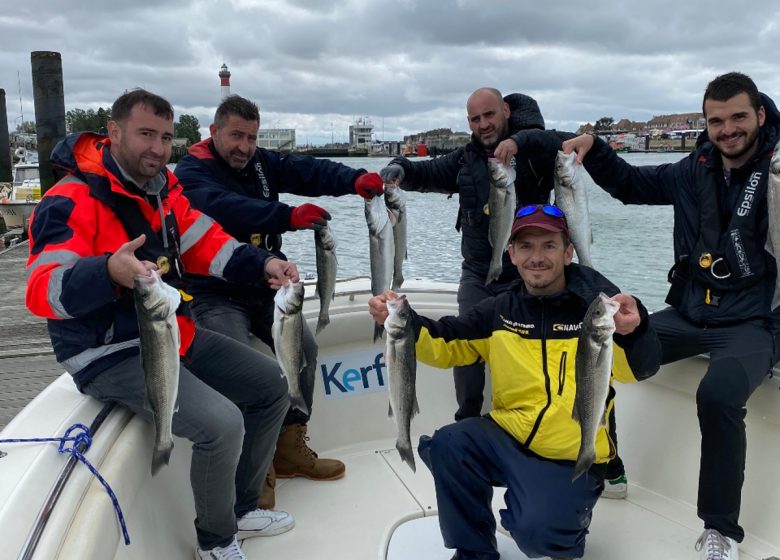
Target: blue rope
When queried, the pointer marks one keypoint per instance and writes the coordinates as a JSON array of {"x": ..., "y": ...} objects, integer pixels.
[{"x": 85, "y": 440}]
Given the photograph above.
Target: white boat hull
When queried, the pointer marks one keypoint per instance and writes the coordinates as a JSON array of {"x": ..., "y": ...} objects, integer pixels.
[
  {"x": 380, "y": 509},
  {"x": 15, "y": 213}
]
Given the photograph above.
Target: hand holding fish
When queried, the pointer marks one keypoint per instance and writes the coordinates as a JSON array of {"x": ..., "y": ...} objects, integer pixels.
[
  {"x": 581, "y": 144},
  {"x": 280, "y": 272},
  {"x": 627, "y": 318},
  {"x": 505, "y": 151},
  {"x": 123, "y": 266},
  {"x": 377, "y": 306}
]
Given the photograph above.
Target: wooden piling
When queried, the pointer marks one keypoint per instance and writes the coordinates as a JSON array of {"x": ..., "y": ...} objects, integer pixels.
[
  {"x": 49, "y": 97},
  {"x": 5, "y": 145}
]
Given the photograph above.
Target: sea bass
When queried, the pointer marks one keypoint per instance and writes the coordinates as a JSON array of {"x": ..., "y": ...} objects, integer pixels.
[
  {"x": 325, "y": 247},
  {"x": 287, "y": 332},
  {"x": 501, "y": 206},
  {"x": 155, "y": 306},
  {"x": 773, "y": 207},
  {"x": 571, "y": 196},
  {"x": 592, "y": 371},
  {"x": 381, "y": 248},
  {"x": 401, "y": 360},
  {"x": 395, "y": 200}
]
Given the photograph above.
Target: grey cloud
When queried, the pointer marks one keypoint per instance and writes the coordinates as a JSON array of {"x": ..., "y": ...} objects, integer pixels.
[{"x": 409, "y": 63}]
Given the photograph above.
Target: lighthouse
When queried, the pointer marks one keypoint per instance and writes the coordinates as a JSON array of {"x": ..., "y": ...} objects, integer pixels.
[{"x": 224, "y": 80}]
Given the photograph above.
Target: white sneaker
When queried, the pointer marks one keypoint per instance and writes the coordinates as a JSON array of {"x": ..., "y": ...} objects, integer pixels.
[
  {"x": 615, "y": 488},
  {"x": 714, "y": 546},
  {"x": 229, "y": 552},
  {"x": 264, "y": 523}
]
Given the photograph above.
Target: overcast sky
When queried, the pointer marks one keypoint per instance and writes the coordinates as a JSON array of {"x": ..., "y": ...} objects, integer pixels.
[{"x": 408, "y": 65}]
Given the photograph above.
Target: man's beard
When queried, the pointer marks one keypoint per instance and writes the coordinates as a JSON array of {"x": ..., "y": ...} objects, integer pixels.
[{"x": 748, "y": 146}]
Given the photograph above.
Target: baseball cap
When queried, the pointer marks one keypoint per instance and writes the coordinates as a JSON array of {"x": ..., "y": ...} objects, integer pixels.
[{"x": 541, "y": 216}]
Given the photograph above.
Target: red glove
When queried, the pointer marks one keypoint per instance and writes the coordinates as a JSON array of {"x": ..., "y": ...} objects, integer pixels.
[
  {"x": 308, "y": 216},
  {"x": 369, "y": 185}
]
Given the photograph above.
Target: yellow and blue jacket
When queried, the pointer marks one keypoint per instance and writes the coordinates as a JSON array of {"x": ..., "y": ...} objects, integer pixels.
[{"x": 530, "y": 344}]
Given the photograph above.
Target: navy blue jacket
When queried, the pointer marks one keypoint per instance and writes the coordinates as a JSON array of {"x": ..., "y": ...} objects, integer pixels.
[
  {"x": 685, "y": 184},
  {"x": 246, "y": 203}
]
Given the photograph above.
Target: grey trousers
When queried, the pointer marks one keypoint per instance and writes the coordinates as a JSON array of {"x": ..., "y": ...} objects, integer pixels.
[
  {"x": 240, "y": 320},
  {"x": 232, "y": 400}
]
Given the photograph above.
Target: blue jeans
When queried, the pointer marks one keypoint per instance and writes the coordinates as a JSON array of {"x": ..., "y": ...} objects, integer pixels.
[
  {"x": 546, "y": 513},
  {"x": 231, "y": 403},
  {"x": 239, "y": 320}
]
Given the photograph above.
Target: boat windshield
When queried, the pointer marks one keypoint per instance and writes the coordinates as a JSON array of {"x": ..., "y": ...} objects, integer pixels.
[{"x": 23, "y": 174}]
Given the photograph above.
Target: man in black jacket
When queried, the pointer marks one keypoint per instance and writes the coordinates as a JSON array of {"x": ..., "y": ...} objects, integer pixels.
[{"x": 722, "y": 280}]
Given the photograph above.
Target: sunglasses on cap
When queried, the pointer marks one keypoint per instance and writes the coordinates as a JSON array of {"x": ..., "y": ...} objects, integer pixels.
[{"x": 553, "y": 211}]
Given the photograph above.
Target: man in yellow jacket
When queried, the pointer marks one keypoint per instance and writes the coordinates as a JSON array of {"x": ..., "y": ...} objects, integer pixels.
[{"x": 528, "y": 443}]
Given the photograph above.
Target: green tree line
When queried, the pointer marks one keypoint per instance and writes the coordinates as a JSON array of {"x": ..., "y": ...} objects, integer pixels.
[{"x": 90, "y": 120}]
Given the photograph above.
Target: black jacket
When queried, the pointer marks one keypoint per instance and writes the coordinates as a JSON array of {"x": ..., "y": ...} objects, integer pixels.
[{"x": 695, "y": 292}]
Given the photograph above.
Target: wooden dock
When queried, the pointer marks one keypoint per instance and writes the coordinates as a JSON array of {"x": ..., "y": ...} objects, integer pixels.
[{"x": 27, "y": 364}]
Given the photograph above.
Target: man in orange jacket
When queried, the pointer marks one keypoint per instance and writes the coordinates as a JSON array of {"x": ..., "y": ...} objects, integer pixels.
[{"x": 117, "y": 214}]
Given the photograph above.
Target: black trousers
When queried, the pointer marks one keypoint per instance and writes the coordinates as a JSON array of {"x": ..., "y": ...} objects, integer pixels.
[{"x": 740, "y": 357}]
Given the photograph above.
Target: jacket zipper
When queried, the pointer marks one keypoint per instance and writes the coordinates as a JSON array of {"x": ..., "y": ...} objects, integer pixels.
[
  {"x": 538, "y": 422},
  {"x": 562, "y": 373}
]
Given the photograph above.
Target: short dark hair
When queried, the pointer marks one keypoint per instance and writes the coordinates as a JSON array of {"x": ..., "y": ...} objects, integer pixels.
[
  {"x": 236, "y": 105},
  {"x": 726, "y": 86},
  {"x": 124, "y": 104}
]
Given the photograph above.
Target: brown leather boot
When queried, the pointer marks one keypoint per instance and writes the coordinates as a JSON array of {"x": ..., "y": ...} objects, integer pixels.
[
  {"x": 294, "y": 458},
  {"x": 267, "y": 498}
]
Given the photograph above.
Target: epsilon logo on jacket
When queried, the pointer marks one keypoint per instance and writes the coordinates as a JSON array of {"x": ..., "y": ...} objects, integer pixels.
[{"x": 263, "y": 180}]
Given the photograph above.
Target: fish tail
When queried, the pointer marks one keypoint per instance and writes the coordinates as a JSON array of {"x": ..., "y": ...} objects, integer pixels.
[
  {"x": 378, "y": 331},
  {"x": 322, "y": 322},
  {"x": 407, "y": 456},
  {"x": 494, "y": 272},
  {"x": 398, "y": 281},
  {"x": 584, "y": 461},
  {"x": 161, "y": 456},
  {"x": 415, "y": 407},
  {"x": 299, "y": 403}
]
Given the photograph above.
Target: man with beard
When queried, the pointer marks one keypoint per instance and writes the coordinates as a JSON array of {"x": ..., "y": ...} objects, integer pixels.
[
  {"x": 722, "y": 280},
  {"x": 117, "y": 215},
  {"x": 237, "y": 184}
]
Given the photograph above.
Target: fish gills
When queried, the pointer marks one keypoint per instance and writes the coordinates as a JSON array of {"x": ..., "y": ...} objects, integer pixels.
[
  {"x": 287, "y": 333},
  {"x": 502, "y": 202},
  {"x": 327, "y": 265},
  {"x": 401, "y": 360},
  {"x": 155, "y": 305},
  {"x": 395, "y": 200},
  {"x": 592, "y": 370},
  {"x": 381, "y": 249},
  {"x": 571, "y": 197}
]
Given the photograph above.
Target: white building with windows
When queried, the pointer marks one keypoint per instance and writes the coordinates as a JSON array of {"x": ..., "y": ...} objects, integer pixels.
[
  {"x": 282, "y": 139},
  {"x": 360, "y": 134}
]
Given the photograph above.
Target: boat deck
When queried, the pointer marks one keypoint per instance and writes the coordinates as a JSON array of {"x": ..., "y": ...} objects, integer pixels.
[
  {"x": 27, "y": 364},
  {"x": 390, "y": 503}
]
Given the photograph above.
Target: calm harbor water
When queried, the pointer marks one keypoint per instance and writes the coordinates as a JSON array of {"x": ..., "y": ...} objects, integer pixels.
[{"x": 632, "y": 245}]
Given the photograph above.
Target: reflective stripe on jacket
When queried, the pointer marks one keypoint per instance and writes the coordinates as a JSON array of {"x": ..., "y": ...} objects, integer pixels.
[{"x": 74, "y": 230}]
